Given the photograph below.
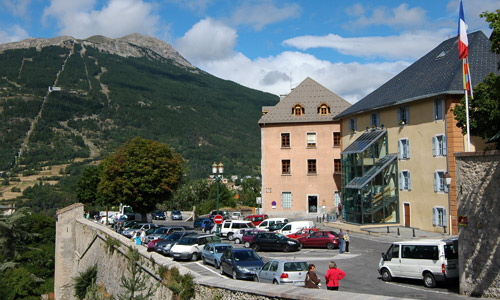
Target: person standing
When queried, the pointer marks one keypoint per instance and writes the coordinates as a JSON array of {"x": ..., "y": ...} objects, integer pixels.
[
  {"x": 312, "y": 280},
  {"x": 333, "y": 276},
  {"x": 143, "y": 236},
  {"x": 347, "y": 240},
  {"x": 341, "y": 239}
]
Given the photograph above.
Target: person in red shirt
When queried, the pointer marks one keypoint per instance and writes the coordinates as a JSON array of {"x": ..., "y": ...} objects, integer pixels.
[{"x": 333, "y": 276}]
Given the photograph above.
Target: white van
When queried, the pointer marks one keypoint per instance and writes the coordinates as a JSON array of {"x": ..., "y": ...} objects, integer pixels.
[
  {"x": 264, "y": 225},
  {"x": 430, "y": 260},
  {"x": 294, "y": 226},
  {"x": 229, "y": 227}
]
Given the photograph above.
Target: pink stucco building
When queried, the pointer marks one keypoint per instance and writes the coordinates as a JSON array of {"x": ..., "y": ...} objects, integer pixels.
[{"x": 301, "y": 147}]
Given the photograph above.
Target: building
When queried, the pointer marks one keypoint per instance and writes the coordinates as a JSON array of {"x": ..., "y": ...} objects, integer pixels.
[
  {"x": 301, "y": 152},
  {"x": 400, "y": 140}
]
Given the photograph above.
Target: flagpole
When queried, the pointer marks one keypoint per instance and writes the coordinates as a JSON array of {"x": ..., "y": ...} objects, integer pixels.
[{"x": 467, "y": 117}]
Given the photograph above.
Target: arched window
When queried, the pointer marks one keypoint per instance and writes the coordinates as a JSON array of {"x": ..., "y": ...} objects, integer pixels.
[
  {"x": 323, "y": 109},
  {"x": 298, "y": 110}
]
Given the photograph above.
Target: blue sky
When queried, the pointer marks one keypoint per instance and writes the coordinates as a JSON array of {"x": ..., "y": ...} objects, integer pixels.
[{"x": 350, "y": 47}]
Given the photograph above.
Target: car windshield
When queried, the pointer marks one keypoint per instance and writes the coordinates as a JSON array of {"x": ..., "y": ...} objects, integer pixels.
[
  {"x": 245, "y": 256},
  {"x": 137, "y": 226},
  {"x": 174, "y": 236},
  {"x": 188, "y": 241},
  {"x": 295, "y": 266},
  {"x": 176, "y": 212},
  {"x": 221, "y": 249}
]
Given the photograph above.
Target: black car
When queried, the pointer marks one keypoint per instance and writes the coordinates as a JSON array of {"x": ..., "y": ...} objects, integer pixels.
[
  {"x": 274, "y": 241},
  {"x": 164, "y": 246},
  {"x": 159, "y": 215},
  {"x": 240, "y": 263}
]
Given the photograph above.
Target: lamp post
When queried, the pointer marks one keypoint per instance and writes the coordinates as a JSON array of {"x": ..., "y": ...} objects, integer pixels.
[
  {"x": 217, "y": 170},
  {"x": 447, "y": 178}
]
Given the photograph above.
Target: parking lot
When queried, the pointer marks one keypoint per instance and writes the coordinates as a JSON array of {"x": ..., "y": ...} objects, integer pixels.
[{"x": 360, "y": 266}]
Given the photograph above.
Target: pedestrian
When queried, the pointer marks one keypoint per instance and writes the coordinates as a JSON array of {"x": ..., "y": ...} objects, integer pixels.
[
  {"x": 341, "y": 239},
  {"x": 346, "y": 239},
  {"x": 143, "y": 236},
  {"x": 87, "y": 216},
  {"x": 312, "y": 280},
  {"x": 137, "y": 238},
  {"x": 333, "y": 276},
  {"x": 133, "y": 236}
]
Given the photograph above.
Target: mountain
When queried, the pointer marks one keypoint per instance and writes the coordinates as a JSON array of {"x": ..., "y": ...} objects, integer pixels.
[{"x": 63, "y": 98}]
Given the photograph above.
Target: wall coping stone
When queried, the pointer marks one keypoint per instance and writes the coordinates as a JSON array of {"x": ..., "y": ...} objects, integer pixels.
[{"x": 478, "y": 153}]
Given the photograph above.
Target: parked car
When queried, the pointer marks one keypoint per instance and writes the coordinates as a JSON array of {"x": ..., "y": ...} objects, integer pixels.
[
  {"x": 200, "y": 222},
  {"x": 224, "y": 213},
  {"x": 176, "y": 215},
  {"x": 248, "y": 236},
  {"x": 137, "y": 227},
  {"x": 161, "y": 233},
  {"x": 158, "y": 215},
  {"x": 429, "y": 260},
  {"x": 164, "y": 246},
  {"x": 256, "y": 219},
  {"x": 295, "y": 226},
  {"x": 283, "y": 272},
  {"x": 264, "y": 225},
  {"x": 212, "y": 253},
  {"x": 321, "y": 239},
  {"x": 274, "y": 241},
  {"x": 301, "y": 233},
  {"x": 236, "y": 215},
  {"x": 229, "y": 227},
  {"x": 240, "y": 263},
  {"x": 238, "y": 235},
  {"x": 189, "y": 247},
  {"x": 276, "y": 226}
]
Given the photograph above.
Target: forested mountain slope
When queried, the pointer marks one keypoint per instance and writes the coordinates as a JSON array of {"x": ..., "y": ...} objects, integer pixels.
[{"x": 106, "y": 91}]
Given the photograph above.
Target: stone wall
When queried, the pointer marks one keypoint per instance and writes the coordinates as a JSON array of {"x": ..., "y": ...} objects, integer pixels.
[{"x": 478, "y": 187}]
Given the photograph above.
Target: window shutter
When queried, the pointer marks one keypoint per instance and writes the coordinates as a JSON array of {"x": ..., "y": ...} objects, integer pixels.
[
  {"x": 407, "y": 108},
  {"x": 435, "y": 146},
  {"x": 378, "y": 119},
  {"x": 445, "y": 146},
  {"x": 400, "y": 117},
  {"x": 435, "y": 216},
  {"x": 445, "y": 185},
  {"x": 436, "y": 182},
  {"x": 401, "y": 180},
  {"x": 355, "y": 126},
  {"x": 400, "y": 150},
  {"x": 408, "y": 148},
  {"x": 409, "y": 180},
  {"x": 445, "y": 218}
]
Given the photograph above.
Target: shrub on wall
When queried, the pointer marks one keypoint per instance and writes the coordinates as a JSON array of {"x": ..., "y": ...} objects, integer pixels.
[{"x": 84, "y": 280}]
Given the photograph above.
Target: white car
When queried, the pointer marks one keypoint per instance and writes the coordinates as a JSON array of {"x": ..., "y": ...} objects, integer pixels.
[
  {"x": 189, "y": 247},
  {"x": 228, "y": 228},
  {"x": 236, "y": 215},
  {"x": 264, "y": 225}
]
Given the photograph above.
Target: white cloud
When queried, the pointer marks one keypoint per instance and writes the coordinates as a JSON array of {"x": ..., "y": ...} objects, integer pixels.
[
  {"x": 404, "y": 46},
  {"x": 117, "y": 18},
  {"x": 13, "y": 34},
  {"x": 401, "y": 16},
  {"x": 17, "y": 7},
  {"x": 207, "y": 40},
  {"x": 472, "y": 10},
  {"x": 264, "y": 13},
  {"x": 276, "y": 74}
]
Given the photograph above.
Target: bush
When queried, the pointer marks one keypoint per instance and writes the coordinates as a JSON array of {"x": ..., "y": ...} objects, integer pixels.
[{"x": 85, "y": 280}]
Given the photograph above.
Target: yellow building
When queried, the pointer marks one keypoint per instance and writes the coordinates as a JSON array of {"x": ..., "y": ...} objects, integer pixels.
[
  {"x": 399, "y": 142},
  {"x": 301, "y": 152}
]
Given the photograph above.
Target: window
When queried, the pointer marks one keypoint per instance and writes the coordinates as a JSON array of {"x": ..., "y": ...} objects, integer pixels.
[
  {"x": 324, "y": 109},
  {"x": 438, "y": 109},
  {"x": 298, "y": 110},
  {"x": 439, "y": 182},
  {"x": 375, "y": 120},
  {"x": 337, "y": 166},
  {"x": 439, "y": 216},
  {"x": 403, "y": 115},
  {"x": 311, "y": 139},
  {"x": 439, "y": 145},
  {"x": 285, "y": 167},
  {"x": 286, "y": 200},
  {"x": 285, "y": 140},
  {"x": 352, "y": 124},
  {"x": 405, "y": 180},
  {"x": 404, "y": 149},
  {"x": 311, "y": 166},
  {"x": 336, "y": 139}
]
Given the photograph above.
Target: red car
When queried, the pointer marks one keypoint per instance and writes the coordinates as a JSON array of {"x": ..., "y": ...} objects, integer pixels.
[
  {"x": 256, "y": 219},
  {"x": 301, "y": 233},
  {"x": 321, "y": 239}
]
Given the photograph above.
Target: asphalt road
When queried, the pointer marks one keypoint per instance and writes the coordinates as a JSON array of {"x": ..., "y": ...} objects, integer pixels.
[{"x": 360, "y": 267}]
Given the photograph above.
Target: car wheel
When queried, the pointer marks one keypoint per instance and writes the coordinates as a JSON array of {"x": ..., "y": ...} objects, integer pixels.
[
  {"x": 330, "y": 246},
  {"x": 255, "y": 247},
  {"x": 235, "y": 276},
  {"x": 286, "y": 248},
  {"x": 230, "y": 236},
  {"x": 429, "y": 280},
  {"x": 247, "y": 244},
  {"x": 237, "y": 241},
  {"x": 221, "y": 270},
  {"x": 275, "y": 282},
  {"x": 386, "y": 275},
  {"x": 194, "y": 257}
]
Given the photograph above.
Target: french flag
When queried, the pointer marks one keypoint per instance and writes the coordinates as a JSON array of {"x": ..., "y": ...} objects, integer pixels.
[{"x": 463, "y": 43}]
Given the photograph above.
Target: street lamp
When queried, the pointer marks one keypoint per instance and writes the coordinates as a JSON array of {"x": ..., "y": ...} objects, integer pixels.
[{"x": 217, "y": 170}]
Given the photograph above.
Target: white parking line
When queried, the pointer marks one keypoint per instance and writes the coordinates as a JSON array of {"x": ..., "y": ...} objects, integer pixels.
[
  {"x": 419, "y": 289},
  {"x": 202, "y": 265},
  {"x": 336, "y": 256}
]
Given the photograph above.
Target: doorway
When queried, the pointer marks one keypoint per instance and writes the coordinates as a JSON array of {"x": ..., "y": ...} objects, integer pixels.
[
  {"x": 312, "y": 203},
  {"x": 407, "y": 214}
]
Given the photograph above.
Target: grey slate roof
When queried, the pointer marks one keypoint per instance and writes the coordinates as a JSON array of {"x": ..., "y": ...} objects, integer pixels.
[
  {"x": 439, "y": 72},
  {"x": 310, "y": 95}
]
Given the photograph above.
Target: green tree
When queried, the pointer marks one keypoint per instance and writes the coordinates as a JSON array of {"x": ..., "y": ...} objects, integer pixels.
[
  {"x": 250, "y": 190},
  {"x": 226, "y": 199},
  {"x": 141, "y": 173},
  {"x": 494, "y": 19},
  {"x": 190, "y": 193},
  {"x": 86, "y": 189}
]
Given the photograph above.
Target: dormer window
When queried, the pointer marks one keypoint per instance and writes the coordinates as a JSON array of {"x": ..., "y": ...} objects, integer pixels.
[
  {"x": 323, "y": 109},
  {"x": 298, "y": 110}
]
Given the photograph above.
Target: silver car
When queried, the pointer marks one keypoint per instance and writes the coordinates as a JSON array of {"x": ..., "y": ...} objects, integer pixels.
[{"x": 283, "y": 272}]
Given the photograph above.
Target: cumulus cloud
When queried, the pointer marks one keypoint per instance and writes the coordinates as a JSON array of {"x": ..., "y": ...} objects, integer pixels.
[
  {"x": 207, "y": 40},
  {"x": 17, "y": 7},
  {"x": 13, "y": 34},
  {"x": 261, "y": 14},
  {"x": 404, "y": 46},
  {"x": 401, "y": 16},
  {"x": 117, "y": 18}
]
